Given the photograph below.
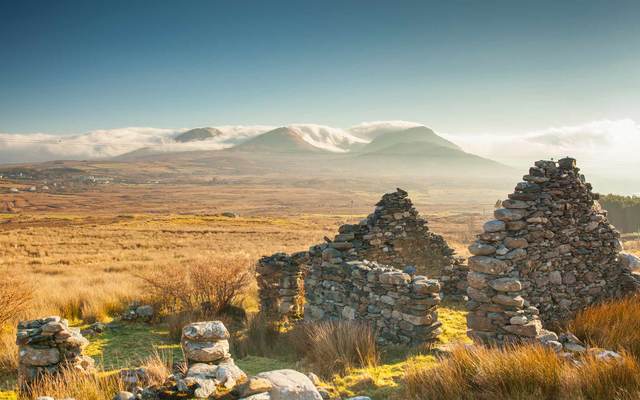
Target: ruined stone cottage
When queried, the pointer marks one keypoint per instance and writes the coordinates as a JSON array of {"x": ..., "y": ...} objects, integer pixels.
[
  {"x": 549, "y": 253},
  {"x": 368, "y": 272}
]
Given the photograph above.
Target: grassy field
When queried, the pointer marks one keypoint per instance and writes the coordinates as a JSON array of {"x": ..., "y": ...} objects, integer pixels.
[{"x": 83, "y": 255}]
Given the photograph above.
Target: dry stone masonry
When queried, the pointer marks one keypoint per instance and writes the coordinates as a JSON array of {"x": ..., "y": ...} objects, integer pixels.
[
  {"x": 395, "y": 234},
  {"x": 367, "y": 273},
  {"x": 549, "y": 253},
  {"x": 211, "y": 368},
  {"x": 47, "y": 346},
  {"x": 401, "y": 307},
  {"x": 281, "y": 286}
]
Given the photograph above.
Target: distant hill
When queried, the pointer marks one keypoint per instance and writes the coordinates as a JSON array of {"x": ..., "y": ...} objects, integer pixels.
[
  {"x": 419, "y": 134},
  {"x": 197, "y": 134},
  {"x": 280, "y": 140},
  {"x": 421, "y": 150}
]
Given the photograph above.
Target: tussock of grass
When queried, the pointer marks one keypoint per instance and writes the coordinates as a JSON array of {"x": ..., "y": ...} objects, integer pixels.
[
  {"x": 525, "y": 372},
  {"x": 77, "y": 385},
  {"x": 333, "y": 347},
  {"x": 612, "y": 325},
  {"x": 8, "y": 351}
]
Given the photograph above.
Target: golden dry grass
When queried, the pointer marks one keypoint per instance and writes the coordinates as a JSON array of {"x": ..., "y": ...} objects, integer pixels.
[
  {"x": 72, "y": 384},
  {"x": 613, "y": 325},
  {"x": 525, "y": 372},
  {"x": 334, "y": 347},
  {"x": 89, "y": 270}
]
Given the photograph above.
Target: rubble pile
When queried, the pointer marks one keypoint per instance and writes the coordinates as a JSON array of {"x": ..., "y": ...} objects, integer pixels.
[{"x": 48, "y": 346}]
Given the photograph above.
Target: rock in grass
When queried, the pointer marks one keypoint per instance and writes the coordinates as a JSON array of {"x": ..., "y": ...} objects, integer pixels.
[{"x": 290, "y": 385}]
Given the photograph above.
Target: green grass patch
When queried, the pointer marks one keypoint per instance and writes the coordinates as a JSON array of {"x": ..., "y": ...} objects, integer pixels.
[
  {"x": 453, "y": 316},
  {"x": 124, "y": 345},
  {"x": 253, "y": 365}
]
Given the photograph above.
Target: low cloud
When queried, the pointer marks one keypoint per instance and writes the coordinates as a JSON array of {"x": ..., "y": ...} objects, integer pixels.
[
  {"x": 606, "y": 150},
  {"x": 105, "y": 143},
  {"x": 371, "y": 130}
]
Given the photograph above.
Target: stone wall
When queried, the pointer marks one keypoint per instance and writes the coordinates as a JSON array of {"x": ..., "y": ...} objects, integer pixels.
[
  {"x": 395, "y": 234},
  {"x": 281, "y": 286},
  {"x": 46, "y": 346},
  {"x": 549, "y": 253},
  {"x": 401, "y": 307}
]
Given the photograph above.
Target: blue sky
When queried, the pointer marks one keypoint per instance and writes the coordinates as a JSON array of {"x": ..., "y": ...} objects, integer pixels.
[{"x": 460, "y": 67}]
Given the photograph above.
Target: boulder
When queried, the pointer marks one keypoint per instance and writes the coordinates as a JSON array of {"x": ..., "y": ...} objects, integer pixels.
[{"x": 288, "y": 384}]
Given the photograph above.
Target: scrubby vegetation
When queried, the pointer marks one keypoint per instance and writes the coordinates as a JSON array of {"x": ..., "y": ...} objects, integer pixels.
[
  {"x": 623, "y": 211},
  {"x": 209, "y": 286}
]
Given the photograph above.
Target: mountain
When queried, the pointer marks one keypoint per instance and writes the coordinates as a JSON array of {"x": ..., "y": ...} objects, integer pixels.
[
  {"x": 416, "y": 135},
  {"x": 280, "y": 140},
  {"x": 197, "y": 134},
  {"x": 421, "y": 150}
]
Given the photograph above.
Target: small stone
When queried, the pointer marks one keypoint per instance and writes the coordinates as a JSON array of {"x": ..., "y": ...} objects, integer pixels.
[
  {"x": 481, "y": 249},
  {"x": 530, "y": 329},
  {"x": 508, "y": 301},
  {"x": 255, "y": 385},
  {"x": 509, "y": 214},
  {"x": 477, "y": 280},
  {"x": 206, "y": 388},
  {"x": 488, "y": 265},
  {"x": 515, "y": 243},
  {"x": 574, "y": 347},
  {"x": 555, "y": 277},
  {"x": 123, "y": 395},
  {"x": 518, "y": 204},
  {"x": 494, "y": 226},
  {"x": 210, "y": 330},
  {"x": 506, "y": 284}
]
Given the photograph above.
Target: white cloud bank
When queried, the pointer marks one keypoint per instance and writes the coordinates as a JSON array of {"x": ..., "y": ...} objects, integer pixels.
[
  {"x": 607, "y": 150},
  {"x": 106, "y": 143}
]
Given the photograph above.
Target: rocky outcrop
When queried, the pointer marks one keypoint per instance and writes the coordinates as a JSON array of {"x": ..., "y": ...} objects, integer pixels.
[
  {"x": 48, "y": 346},
  {"x": 281, "y": 286},
  {"x": 549, "y": 253}
]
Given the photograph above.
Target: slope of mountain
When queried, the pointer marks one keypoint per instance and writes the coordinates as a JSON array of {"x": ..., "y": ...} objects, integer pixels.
[
  {"x": 419, "y": 150},
  {"x": 197, "y": 134},
  {"x": 419, "y": 134},
  {"x": 280, "y": 140}
]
